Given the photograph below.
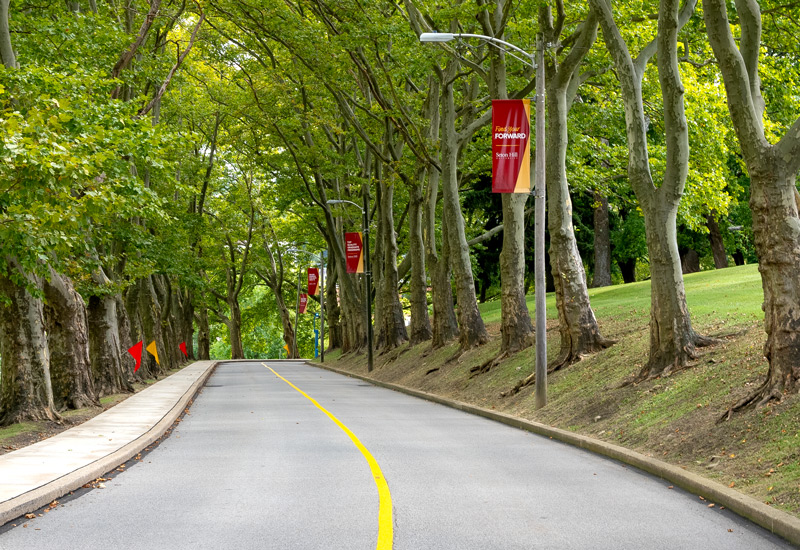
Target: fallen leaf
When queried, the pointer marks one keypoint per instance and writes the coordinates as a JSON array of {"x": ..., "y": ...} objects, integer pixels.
[
  {"x": 730, "y": 530},
  {"x": 732, "y": 484},
  {"x": 711, "y": 505},
  {"x": 30, "y": 516}
]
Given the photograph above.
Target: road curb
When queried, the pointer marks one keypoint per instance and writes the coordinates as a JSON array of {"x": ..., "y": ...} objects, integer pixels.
[
  {"x": 776, "y": 521},
  {"x": 47, "y": 493}
]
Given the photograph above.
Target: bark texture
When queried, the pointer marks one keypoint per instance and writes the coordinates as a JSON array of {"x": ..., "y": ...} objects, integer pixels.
[
  {"x": 602, "y": 243},
  {"x": 471, "y": 330},
  {"x": 717, "y": 244},
  {"x": 773, "y": 171},
  {"x": 203, "y": 334},
  {"x": 68, "y": 342},
  {"x": 7, "y": 55},
  {"x": 578, "y": 328},
  {"x": 672, "y": 339},
  {"x": 392, "y": 321},
  {"x": 25, "y": 390},
  {"x": 420, "y": 329}
]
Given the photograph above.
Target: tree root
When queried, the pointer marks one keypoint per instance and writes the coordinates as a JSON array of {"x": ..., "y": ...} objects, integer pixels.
[
  {"x": 525, "y": 382},
  {"x": 485, "y": 367},
  {"x": 565, "y": 359},
  {"x": 570, "y": 356},
  {"x": 763, "y": 395}
]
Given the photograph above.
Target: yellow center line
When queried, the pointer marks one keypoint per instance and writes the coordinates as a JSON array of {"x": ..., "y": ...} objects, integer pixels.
[{"x": 385, "y": 524}]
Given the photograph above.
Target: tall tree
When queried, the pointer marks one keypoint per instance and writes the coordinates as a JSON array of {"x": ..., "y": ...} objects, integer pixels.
[
  {"x": 774, "y": 198},
  {"x": 672, "y": 339},
  {"x": 578, "y": 328}
]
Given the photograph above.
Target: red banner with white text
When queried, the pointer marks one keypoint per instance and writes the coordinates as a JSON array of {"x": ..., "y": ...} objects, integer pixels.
[
  {"x": 313, "y": 280},
  {"x": 354, "y": 251},
  {"x": 303, "y": 302},
  {"x": 511, "y": 146}
]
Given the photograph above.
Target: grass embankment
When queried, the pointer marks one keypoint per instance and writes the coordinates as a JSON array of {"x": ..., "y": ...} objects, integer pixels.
[
  {"x": 19, "y": 435},
  {"x": 672, "y": 418}
]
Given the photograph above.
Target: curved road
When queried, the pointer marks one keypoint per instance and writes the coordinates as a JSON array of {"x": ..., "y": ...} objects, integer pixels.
[{"x": 258, "y": 464}]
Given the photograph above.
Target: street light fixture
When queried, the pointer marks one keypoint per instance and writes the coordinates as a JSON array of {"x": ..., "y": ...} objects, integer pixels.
[
  {"x": 535, "y": 60},
  {"x": 367, "y": 271}
]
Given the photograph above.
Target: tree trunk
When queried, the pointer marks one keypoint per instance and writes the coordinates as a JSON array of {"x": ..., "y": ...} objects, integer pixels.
[
  {"x": 602, "y": 243},
  {"x": 377, "y": 265},
  {"x": 188, "y": 324},
  {"x": 286, "y": 320},
  {"x": 445, "y": 324},
  {"x": 135, "y": 330},
  {"x": 717, "y": 244},
  {"x": 578, "y": 328},
  {"x": 672, "y": 339},
  {"x": 773, "y": 194},
  {"x": 420, "y": 320},
  {"x": 6, "y": 48},
  {"x": 690, "y": 262},
  {"x": 203, "y": 335},
  {"x": 234, "y": 324},
  {"x": 627, "y": 268},
  {"x": 444, "y": 327},
  {"x": 472, "y": 331},
  {"x": 333, "y": 327},
  {"x": 776, "y": 228},
  {"x": 25, "y": 389},
  {"x": 392, "y": 321},
  {"x": 68, "y": 342},
  {"x": 150, "y": 314},
  {"x": 516, "y": 328},
  {"x": 104, "y": 346},
  {"x": 125, "y": 339}
]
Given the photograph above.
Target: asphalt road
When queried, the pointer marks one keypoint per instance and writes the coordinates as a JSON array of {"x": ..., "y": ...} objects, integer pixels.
[{"x": 256, "y": 464}]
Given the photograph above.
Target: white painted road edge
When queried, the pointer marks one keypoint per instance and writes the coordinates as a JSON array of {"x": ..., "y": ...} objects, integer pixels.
[{"x": 40, "y": 473}]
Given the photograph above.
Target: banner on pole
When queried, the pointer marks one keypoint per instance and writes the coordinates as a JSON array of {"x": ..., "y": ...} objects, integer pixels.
[
  {"x": 313, "y": 280},
  {"x": 354, "y": 251},
  {"x": 303, "y": 302},
  {"x": 511, "y": 146}
]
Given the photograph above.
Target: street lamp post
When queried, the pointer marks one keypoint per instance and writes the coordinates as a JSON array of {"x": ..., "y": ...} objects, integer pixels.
[
  {"x": 321, "y": 287},
  {"x": 535, "y": 60},
  {"x": 367, "y": 271}
]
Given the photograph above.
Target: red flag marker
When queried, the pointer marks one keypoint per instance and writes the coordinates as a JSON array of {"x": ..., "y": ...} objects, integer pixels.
[
  {"x": 136, "y": 352},
  {"x": 183, "y": 349}
]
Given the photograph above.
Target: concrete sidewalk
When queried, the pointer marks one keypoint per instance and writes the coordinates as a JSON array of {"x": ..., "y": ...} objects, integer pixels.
[{"x": 40, "y": 473}]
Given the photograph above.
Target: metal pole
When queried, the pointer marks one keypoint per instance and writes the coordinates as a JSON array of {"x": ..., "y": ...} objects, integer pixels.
[
  {"x": 297, "y": 316},
  {"x": 322, "y": 306},
  {"x": 540, "y": 393},
  {"x": 368, "y": 273}
]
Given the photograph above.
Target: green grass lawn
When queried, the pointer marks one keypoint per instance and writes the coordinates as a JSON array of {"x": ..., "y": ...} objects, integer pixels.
[{"x": 733, "y": 292}]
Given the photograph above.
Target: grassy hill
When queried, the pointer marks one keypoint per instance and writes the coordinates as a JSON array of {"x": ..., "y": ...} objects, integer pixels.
[{"x": 673, "y": 418}]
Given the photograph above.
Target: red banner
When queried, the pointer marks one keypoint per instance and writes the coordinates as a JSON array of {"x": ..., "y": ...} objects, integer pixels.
[
  {"x": 313, "y": 280},
  {"x": 511, "y": 146},
  {"x": 303, "y": 302},
  {"x": 354, "y": 250}
]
